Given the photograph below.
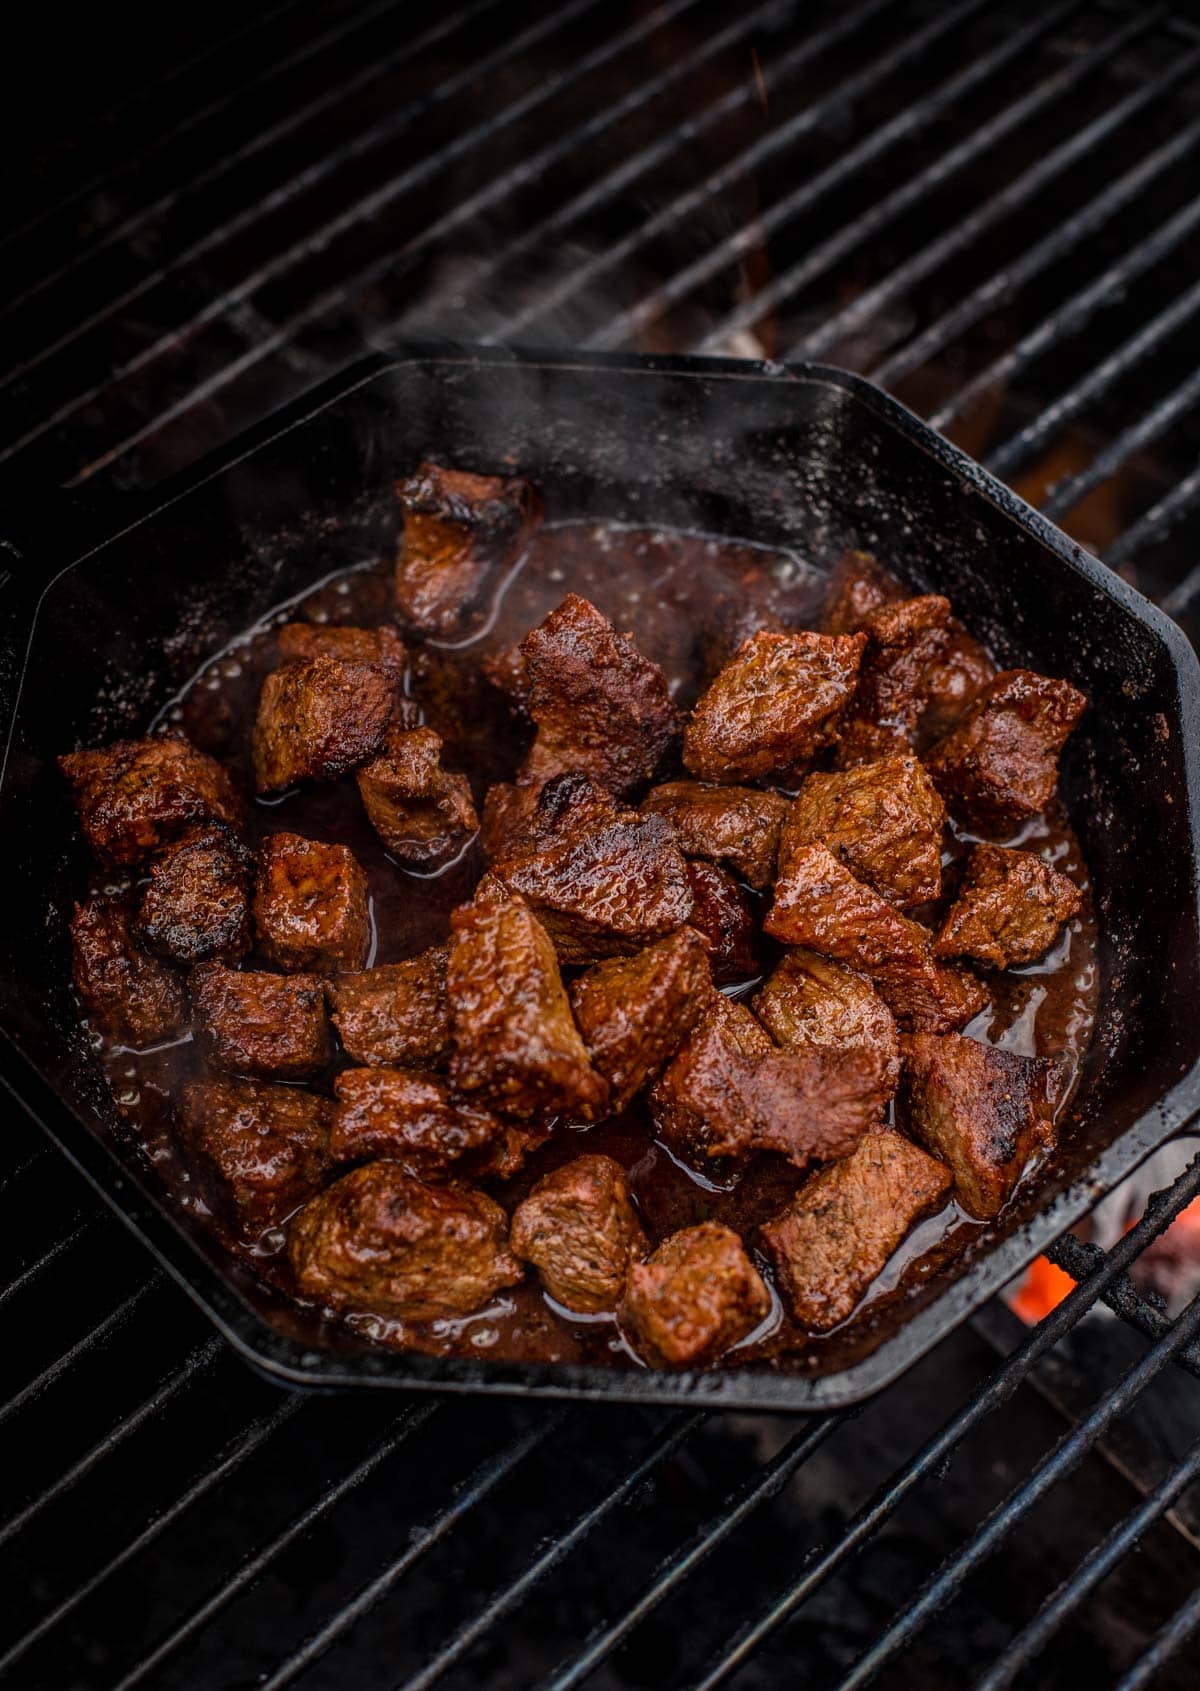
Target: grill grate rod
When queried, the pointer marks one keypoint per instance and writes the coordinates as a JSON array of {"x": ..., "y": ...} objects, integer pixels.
[
  {"x": 111, "y": 1323},
  {"x": 1155, "y": 422},
  {"x": 51, "y": 1255},
  {"x": 1077, "y": 1259},
  {"x": 23, "y": 1167},
  {"x": 1006, "y": 200},
  {"x": 1171, "y": 1639},
  {"x": 1154, "y": 525},
  {"x": 1061, "y": 241},
  {"x": 254, "y": 1437},
  {"x": 1095, "y": 1567},
  {"x": 754, "y": 233},
  {"x": 993, "y": 1392}
]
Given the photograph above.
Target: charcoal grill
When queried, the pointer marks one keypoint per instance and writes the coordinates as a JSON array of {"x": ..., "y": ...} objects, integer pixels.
[{"x": 987, "y": 209}]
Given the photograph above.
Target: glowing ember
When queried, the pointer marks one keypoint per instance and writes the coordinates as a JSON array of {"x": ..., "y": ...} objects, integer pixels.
[{"x": 1043, "y": 1287}]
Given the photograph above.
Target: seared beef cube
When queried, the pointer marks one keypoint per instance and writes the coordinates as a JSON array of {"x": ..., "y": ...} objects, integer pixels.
[
  {"x": 695, "y": 1297},
  {"x": 774, "y": 705},
  {"x": 507, "y": 673},
  {"x": 421, "y": 813},
  {"x": 379, "y": 1240},
  {"x": 310, "y": 907},
  {"x": 738, "y": 826},
  {"x": 810, "y": 1000},
  {"x": 820, "y": 905},
  {"x": 508, "y": 1155},
  {"x": 1009, "y": 910},
  {"x": 930, "y": 997},
  {"x": 837, "y": 1233},
  {"x": 261, "y": 1150},
  {"x": 260, "y": 1024},
  {"x": 634, "y": 1013},
  {"x": 858, "y": 586},
  {"x": 349, "y": 645},
  {"x": 136, "y": 796},
  {"x": 725, "y": 622},
  {"x": 128, "y": 995},
  {"x": 410, "y": 1118},
  {"x": 883, "y": 820},
  {"x": 723, "y": 917},
  {"x": 955, "y": 678},
  {"x": 579, "y": 1230},
  {"x": 983, "y": 1110},
  {"x": 516, "y": 1046},
  {"x": 396, "y": 1014},
  {"x": 318, "y": 719},
  {"x": 197, "y": 905},
  {"x": 460, "y": 532},
  {"x": 999, "y": 765},
  {"x": 904, "y": 641},
  {"x": 600, "y": 706},
  {"x": 604, "y": 883},
  {"x": 505, "y": 820}
]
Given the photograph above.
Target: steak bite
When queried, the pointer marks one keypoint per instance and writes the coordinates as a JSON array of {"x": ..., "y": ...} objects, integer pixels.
[
  {"x": 379, "y": 1240},
  {"x": 579, "y": 1229},
  {"x": 127, "y": 994},
  {"x": 738, "y": 826},
  {"x": 604, "y": 882},
  {"x": 396, "y": 1014},
  {"x": 349, "y": 645},
  {"x": 1009, "y": 910},
  {"x": 999, "y": 764},
  {"x": 904, "y": 641},
  {"x": 310, "y": 907},
  {"x": 318, "y": 718},
  {"x": 421, "y": 813},
  {"x": 197, "y": 904},
  {"x": 774, "y": 705},
  {"x": 410, "y": 1118},
  {"x": 261, "y": 1150},
  {"x": 505, "y": 819},
  {"x": 516, "y": 1046},
  {"x": 837, "y": 1233},
  {"x": 695, "y": 1297},
  {"x": 725, "y": 622},
  {"x": 984, "y": 1110},
  {"x": 822, "y": 906},
  {"x": 810, "y": 1000},
  {"x": 460, "y": 532},
  {"x": 599, "y": 705},
  {"x": 927, "y": 996},
  {"x": 858, "y": 586},
  {"x": 883, "y": 820},
  {"x": 258, "y": 1024},
  {"x": 954, "y": 679},
  {"x": 634, "y": 1013},
  {"x": 136, "y": 796},
  {"x": 723, "y": 917}
]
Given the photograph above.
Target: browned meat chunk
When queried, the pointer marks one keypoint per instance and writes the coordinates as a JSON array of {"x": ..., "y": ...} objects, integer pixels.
[
  {"x": 197, "y": 903},
  {"x": 310, "y": 907},
  {"x": 579, "y": 1230},
  {"x": 927, "y": 996},
  {"x": 738, "y": 826},
  {"x": 318, "y": 719},
  {"x": 128, "y": 995},
  {"x": 999, "y": 765},
  {"x": 136, "y": 796},
  {"x": 698, "y": 1295},
  {"x": 600, "y": 707},
  {"x": 259, "y": 1024},
  {"x": 460, "y": 532},
  {"x": 516, "y": 1046},
  {"x": 506, "y": 672},
  {"x": 410, "y": 1118},
  {"x": 261, "y": 1150},
  {"x": 604, "y": 882},
  {"x": 634, "y": 1013},
  {"x": 397, "y": 1014},
  {"x": 984, "y": 1110},
  {"x": 504, "y": 827},
  {"x": 884, "y": 820},
  {"x": 730, "y": 1092},
  {"x": 820, "y": 905},
  {"x": 421, "y": 813},
  {"x": 904, "y": 641},
  {"x": 1009, "y": 910},
  {"x": 725, "y": 622},
  {"x": 810, "y": 1000},
  {"x": 858, "y": 586},
  {"x": 839, "y": 1230},
  {"x": 349, "y": 645},
  {"x": 777, "y": 702},
  {"x": 379, "y": 1240},
  {"x": 723, "y": 917},
  {"x": 953, "y": 681}
]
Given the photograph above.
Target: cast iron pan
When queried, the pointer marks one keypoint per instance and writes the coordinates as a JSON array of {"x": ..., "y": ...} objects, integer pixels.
[{"x": 107, "y": 610}]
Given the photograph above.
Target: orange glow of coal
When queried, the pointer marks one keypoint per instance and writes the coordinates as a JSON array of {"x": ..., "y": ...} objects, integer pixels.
[{"x": 1043, "y": 1288}]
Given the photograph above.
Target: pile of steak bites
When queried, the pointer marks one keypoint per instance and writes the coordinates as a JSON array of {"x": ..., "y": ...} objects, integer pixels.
[{"x": 806, "y": 794}]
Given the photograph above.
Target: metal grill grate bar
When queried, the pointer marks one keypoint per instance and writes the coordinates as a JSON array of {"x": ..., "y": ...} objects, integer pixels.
[
  {"x": 1169, "y": 1641},
  {"x": 22, "y": 1168},
  {"x": 104, "y": 1329},
  {"x": 49, "y": 1256},
  {"x": 1078, "y": 1259},
  {"x": 1154, "y": 423}
]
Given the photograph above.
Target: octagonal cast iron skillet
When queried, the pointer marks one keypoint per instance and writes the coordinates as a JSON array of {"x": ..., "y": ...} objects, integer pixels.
[{"x": 107, "y": 609}]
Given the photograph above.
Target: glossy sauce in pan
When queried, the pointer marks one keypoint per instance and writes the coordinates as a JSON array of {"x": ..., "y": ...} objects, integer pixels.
[{"x": 656, "y": 584}]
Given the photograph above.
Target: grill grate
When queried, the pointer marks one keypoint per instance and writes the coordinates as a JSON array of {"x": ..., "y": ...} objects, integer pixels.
[{"x": 799, "y": 180}]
